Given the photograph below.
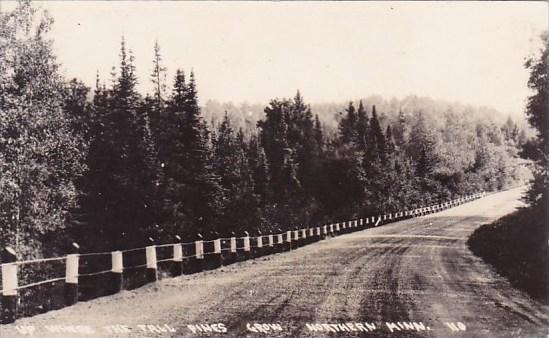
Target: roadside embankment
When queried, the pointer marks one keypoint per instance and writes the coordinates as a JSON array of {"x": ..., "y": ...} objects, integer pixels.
[{"x": 516, "y": 245}]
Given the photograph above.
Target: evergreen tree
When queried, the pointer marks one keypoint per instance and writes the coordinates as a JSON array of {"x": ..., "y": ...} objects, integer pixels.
[
  {"x": 273, "y": 136},
  {"x": 376, "y": 138},
  {"x": 160, "y": 121},
  {"x": 389, "y": 142},
  {"x": 400, "y": 129},
  {"x": 260, "y": 170},
  {"x": 233, "y": 168},
  {"x": 422, "y": 147},
  {"x": 122, "y": 187},
  {"x": 348, "y": 125},
  {"x": 362, "y": 127},
  {"x": 318, "y": 134},
  {"x": 158, "y": 76},
  {"x": 196, "y": 197},
  {"x": 76, "y": 106},
  {"x": 289, "y": 139}
]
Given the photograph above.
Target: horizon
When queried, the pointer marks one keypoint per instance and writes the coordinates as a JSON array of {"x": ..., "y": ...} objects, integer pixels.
[{"x": 242, "y": 52}]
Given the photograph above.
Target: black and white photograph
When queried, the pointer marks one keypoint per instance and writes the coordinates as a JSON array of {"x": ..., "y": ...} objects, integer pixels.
[{"x": 274, "y": 169}]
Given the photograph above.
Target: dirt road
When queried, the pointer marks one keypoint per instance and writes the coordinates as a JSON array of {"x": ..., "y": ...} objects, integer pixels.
[{"x": 414, "y": 278}]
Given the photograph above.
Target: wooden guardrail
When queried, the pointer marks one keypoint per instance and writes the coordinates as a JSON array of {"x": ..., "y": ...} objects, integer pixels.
[{"x": 184, "y": 257}]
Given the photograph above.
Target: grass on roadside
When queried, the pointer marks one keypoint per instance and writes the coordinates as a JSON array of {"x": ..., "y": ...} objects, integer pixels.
[{"x": 516, "y": 245}]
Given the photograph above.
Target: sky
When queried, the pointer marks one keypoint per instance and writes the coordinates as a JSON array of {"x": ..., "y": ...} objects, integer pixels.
[{"x": 471, "y": 52}]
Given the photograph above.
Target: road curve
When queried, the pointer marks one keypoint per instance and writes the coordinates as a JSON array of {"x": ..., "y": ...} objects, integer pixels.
[{"x": 414, "y": 278}]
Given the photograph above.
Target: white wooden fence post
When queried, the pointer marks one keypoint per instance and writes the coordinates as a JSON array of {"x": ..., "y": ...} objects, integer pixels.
[
  {"x": 247, "y": 243},
  {"x": 199, "y": 249},
  {"x": 9, "y": 286},
  {"x": 289, "y": 238},
  {"x": 150, "y": 252},
  {"x": 71, "y": 275},
  {"x": 233, "y": 244},
  {"x": 177, "y": 251},
  {"x": 117, "y": 271},
  {"x": 217, "y": 246},
  {"x": 259, "y": 241}
]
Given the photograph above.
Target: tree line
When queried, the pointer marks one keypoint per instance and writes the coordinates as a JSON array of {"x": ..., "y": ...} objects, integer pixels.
[{"x": 112, "y": 168}]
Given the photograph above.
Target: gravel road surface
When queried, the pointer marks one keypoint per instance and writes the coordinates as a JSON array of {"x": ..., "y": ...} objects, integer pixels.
[{"x": 414, "y": 278}]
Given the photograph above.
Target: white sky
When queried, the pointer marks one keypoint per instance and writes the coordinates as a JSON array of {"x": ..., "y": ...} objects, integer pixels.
[{"x": 471, "y": 52}]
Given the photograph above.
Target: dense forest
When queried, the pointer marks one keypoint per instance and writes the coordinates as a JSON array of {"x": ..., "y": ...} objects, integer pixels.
[{"x": 110, "y": 167}]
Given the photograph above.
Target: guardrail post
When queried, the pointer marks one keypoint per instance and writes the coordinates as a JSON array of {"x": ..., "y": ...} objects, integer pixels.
[
  {"x": 217, "y": 258},
  {"x": 177, "y": 257},
  {"x": 259, "y": 251},
  {"x": 233, "y": 245},
  {"x": 117, "y": 271},
  {"x": 231, "y": 255},
  {"x": 271, "y": 240},
  {"x": 247, "y": 247},
  {"x": 71, "y": 275},
  {"x": 289, "y": 239},
  {"x": 9, "y": 286},
  {"x": 279, "y": 241},
  {"x": 271, "y": 243},
  {"x": 150, "y": 253},
  {"x": 199, "y": 254}
]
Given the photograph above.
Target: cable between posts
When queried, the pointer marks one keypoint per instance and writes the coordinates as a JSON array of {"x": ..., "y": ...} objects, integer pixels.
[
  {"x": 39, "y": 260},
  {"x": 52, "y": 280}
]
